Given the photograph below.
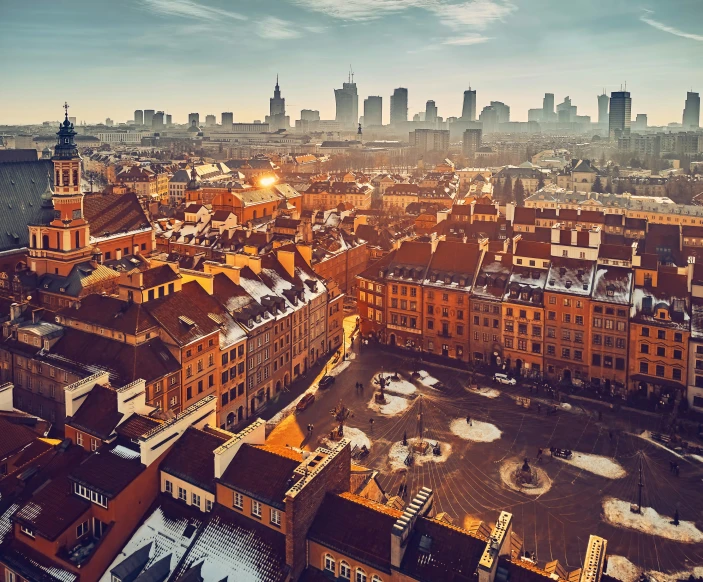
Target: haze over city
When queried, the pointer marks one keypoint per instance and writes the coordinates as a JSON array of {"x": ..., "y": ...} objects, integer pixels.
[{"x": 219, "y": 55}]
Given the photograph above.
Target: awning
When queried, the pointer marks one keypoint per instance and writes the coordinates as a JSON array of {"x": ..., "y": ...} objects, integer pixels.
[{"x": 665, "y": 382}]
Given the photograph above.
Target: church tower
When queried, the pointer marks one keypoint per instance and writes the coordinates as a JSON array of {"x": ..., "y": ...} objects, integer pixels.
[{"x": 64, "y": 237}]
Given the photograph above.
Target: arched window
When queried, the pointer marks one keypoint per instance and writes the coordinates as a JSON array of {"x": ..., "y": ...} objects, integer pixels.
[
  {"x": 34, "y": 241},
  {"x": 230, "y": 418},
  {"x": 78, "y": 239},
  {"x": 360, "y": 575},
  {"x": 376, "y": 578},
  {"x": 330, "y": 565},
  {"x": 58, "y": 178},
  {"x": 344, "y": 571}
]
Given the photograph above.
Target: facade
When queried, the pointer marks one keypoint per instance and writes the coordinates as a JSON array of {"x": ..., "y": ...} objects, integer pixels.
[
  {"x": 347, "y": 104},
  {"x": 692, "y": 111},
  {"x": 471, "y": 141},
  {"x": 430, "y": 140},
  {"x": 373, "y": 111},
  {"x": 328, "y": 195},
  {"x": 619, "y": 114},
  {"x": 399, "y": 107},
  {"x": 468, "y": 109}
]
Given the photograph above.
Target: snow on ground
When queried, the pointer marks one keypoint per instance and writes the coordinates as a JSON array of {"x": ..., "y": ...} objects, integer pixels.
[
  {"x": 647, "y": 435},
  {"x": 357, "y": 437},
  {"x": 337, "y": 370},
  {"x": 622, "y": 569},
  {"x": 426, "y": 379},
  {"x": 399, "y": 452},
  {"x": 507, "y": 470},
  {"x": 401, "y": 386},
  {"x": 617, "y": 513},
  {"x": 487, "y": 392},
  {"x": 477, "y": 431},
  {"x": 394, "y": 405},
  {"x": 596, "y": 464},
  {"x": 565, "y": 405},
  {"x": 695, "y": 458}
]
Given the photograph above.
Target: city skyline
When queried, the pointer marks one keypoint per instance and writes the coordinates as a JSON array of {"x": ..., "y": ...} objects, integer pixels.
[{"x": 169, "y": 55}]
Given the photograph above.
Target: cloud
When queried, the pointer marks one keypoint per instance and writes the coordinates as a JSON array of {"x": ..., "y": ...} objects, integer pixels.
[
  {"x": 276, "y": 28},
  {"x": 666, "y": 28},
  {"x": 476, "y": 13},
  {"x": 467, "y": 40},
  {"x": 190, "y": 9},
  {"x": 360, "y": 10}
]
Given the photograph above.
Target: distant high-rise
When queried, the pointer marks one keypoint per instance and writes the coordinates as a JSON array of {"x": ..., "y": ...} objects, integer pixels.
[
  {"x": 640, "y": 122},
  {"x": 210, "y": 121},
  {"x": 148, "y": 117},
  {"x": 194, "y": 119},
  {"x": 138, "y": 117},
  {"x": 310, "y": 115},
  {"x": 472, "y": 141},
  {"x": 566, "y": 112},
  {"x": 169, "y": 119},
  {"x": 548, "y": 107},
  {"x": 399, "y": 106},
  {"x": 430, "y": 140},
  {"x": 431, "y": 113},
  {"x": 502, "y": 111},
  {"x": 347, "y": 102},
  {"x": 373, "y": 111},
  {"x": 158, "y": 120},
  {"x": 620, "y": 114},
  {"x": 468, "y": 110},
  {"x": 692, "y": 111},
  {"x": 603, "y": 102},
  {"x": 227, "y": 119},
  {"x": 489, "y": 119},
  {"x": 277, "y": 118}
]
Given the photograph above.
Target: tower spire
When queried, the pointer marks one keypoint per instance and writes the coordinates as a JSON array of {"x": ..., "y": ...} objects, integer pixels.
[{"x": 66, "y": 106}]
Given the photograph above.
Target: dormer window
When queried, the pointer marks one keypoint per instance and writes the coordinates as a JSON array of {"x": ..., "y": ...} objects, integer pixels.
[{"x": 661, "y": 314}]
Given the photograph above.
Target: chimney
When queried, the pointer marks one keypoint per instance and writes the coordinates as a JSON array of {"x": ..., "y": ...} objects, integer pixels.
[
  {"x": 594, "y": 563},
  {"x": 16, "y": 310},
  {"x": 498, "y": 545},
  {"x": 287, "y": 260},
  {"x": 403, "y": 527},
  {"x": 306, "y": 253}
]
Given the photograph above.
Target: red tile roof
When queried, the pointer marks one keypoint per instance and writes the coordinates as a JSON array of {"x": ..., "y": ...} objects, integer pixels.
[
  {"x": 97, "y": 415},
  {"x": 534, "y": 250},
  {"x": 14, "y": 438},
  {"x": 107, "y": 472},
  {"x": 525, "y": 215},
  {"x": 114, "y": 213},
  {"x": 111, "y": 313},
  {"x": 135, "y": 426}
]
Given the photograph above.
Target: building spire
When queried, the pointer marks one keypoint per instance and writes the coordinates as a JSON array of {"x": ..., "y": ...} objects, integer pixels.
[
  {"x": 276, "y": 80},
  {"x": 66, "y": 106}
]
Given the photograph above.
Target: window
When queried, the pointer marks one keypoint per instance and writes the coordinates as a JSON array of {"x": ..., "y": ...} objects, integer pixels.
[
  {"x": 26, "y": 531},
  {"x": 168, "y": 487},
  {"x": 567, "y": 302},
  {"x": 676, "y": 374},
  {"x": 678, "y": 337},
  {"x": 659, "y": 371},
  {"x": 578, "y": 355},
  {"x": 330, "y": 565},
  {"x": 237, "y": 500},
  {"x": 79, "y": 439},
  {"x": 375, "y": 578},
  {"x": 595, "y": 359},
  {"x": 645, "y": 332},
  {"x": 620, "y": 343},
  {"x": 661, "y": 352},
  {"x": 566, "y": 353},
  {"x": 644, "y": 368},
  {"x": 82, "y": 529},
  {"x": 579, "y": 320},
  {"x": 344, "y": 571},
  {"x": 275, "y": 517},
  {"x": 551, "y": 332},
  {"x": 9, "y": 575},
  {"x": 552, "y": 300},
  {"x": 661, "y": 334},
  {"x": 182, "y": 494},
  {"x": 644, "y": 348},
  {"x": 552, "y": 315},
  {"x": 677, "y": 354},
  {"x": 360, "y": 575},
  {"x": 567, "y": 318},
  {"x": 256, "y": 509},
  {"x": 619, "y": 363},
  {"x": 597, "y": 322},
  {"x": 208, "y": 505},
  {"x": 195, "y": 500},
  {"x": 607, "y": 361}
]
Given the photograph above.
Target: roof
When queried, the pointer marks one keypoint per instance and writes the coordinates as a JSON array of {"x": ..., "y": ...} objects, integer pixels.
[
  {"x": 160, "y": 275},
  {"x": 534, "y": 250},
  {"x": 52, "y": 509},
  {"x": 109, "y": 470},
  {"x": 98, "y": 414},
  {"x": 356, "y": 527},
  {"x": 438, "y": 552},
  {"x": 15, "y": 437},
  {"x": 192, "y": 458},
  {"x": 525, "y": 215},
  {"x": 263, "y": 472},
  {"x": 111, "y": 313},
  {"x": 572, "y": 276},
  {"x": 135, "y": 426},
  {"x": 453, "y": 260},
  {"x": 615, "y": 252},
  {"x": 613, "y": 284},
  {"x": 21, "y": 155},
  {"x": 81, "y": 278},
  {"x": 110, "y": 214},
  {"x": 21, "y": 187}
]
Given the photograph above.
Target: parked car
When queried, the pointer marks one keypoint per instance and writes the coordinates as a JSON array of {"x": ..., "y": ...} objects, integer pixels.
[
  {"x": 304, "y": 402},
  {"x": 503, "y": 379},
  {"x": 326, "y": 381},
  {"x": 577, "y": 383}
]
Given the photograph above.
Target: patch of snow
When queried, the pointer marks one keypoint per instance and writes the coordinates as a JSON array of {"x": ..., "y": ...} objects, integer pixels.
[
  {"x": 477, "y": 431},
  {"x": 617, "y": 513},
  {"x": 647, "y": 435},
  {"x": 565, "y": 406},
  {"x": 596, "y": 464},
  {"x": 401, "y": 386},
  {"x": 394, "y": 405},
  {"x": 622, "y": 569},
  {"x": 399, "y": 452},
  {"x": 338, "y": 369},
  {"x": 486, "y": 392},
  {"x": 695, "y": 457},
  {"x": 426, "y": 379},
  {"x": 357, "y": 437},
  {"x": 507, "y": 470}
]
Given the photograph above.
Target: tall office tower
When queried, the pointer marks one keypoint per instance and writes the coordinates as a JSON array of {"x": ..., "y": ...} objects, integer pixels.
[
  {"x": 157, "y": 122},
  {"x": 566, "y": 112},
  {"x": 603, "y": 102},
  {"x": 169, "y": 119},
  {"x": 194, "y": 119},
  {"x": 472, "y": 141},
  {"x": 373, "y": 111},
  {"x": 277, "y": 118},
  {"x": 430, "y": 113},
  {"x": 692, "y": 111},
  {"x": 138, "y": 117},
  {"x": 310, "y": 115},
  {"x": 109, "y": 122},
  {"x": 468, "y": 109},
  {"x": 399, "y": 106},
  {"x": 148, "y": 117},
  {"x": 620, "y": 114},
  {"x": 227, "y": 120},
  {"x": 640, "y": 122},
  {"x": 347, "y": 102},
  {"x": 210, "y": 121},
  {"x": 548, "y": 107},
  {"x": 489, "y": 119},
  {"x": 502, "y": 111}
]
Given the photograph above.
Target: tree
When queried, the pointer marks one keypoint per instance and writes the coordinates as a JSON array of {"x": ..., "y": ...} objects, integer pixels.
[
  {"x": 597, "y": 185},
  {"x": 507, "y": 193},
  {"x": 609, "y": 186},
  {"x": 620, "y": 188},
  {"x": 540, "y": 184},
  {"x": 519, "y": 193}
]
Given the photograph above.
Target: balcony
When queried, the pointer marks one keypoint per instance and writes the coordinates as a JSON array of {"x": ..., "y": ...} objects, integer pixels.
[
  {"x": 444, "y": 333},
  {"x": 84, "y": 548}
]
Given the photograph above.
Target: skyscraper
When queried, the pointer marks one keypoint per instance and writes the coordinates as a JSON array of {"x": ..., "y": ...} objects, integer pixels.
[
  {"x": 620, "y": 114},
  {"x": 277, "y": 118},
  {"x": 502, "y": 111},
  {"x": 227, "y": 120},
  {"x": 472, "y": 141},
  {"x": 159, "y": 120},
  {"x": 692, "y": 111},
  {"x": 138, "y": 117},
  {"x": 489, "y": 119},
  {"x": 373, "y": 111},
  {"x": 603, "y": 102},
  {"x": 194, "y": 119},
  {"x": 399, "y": 106},
  {"x": 347, "y": 101},
  {"x": 431, "y": 113},
  {"x": 548, "y": 107},
  {"x": 169, "y": 119},
  {"x": 468, "y": 110},
  {"x": 148, "y": 117}
]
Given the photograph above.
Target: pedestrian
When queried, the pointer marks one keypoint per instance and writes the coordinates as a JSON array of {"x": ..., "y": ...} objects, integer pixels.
[
  {"x": 539, "y": 408},
  {"x": 677, "y": 469},
  {"x": 468, "y": 420},
  {"x": 312, "y": 428}
]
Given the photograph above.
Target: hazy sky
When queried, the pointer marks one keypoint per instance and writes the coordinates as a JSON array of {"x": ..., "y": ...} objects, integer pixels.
[{"x": 110, "y": 57}]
